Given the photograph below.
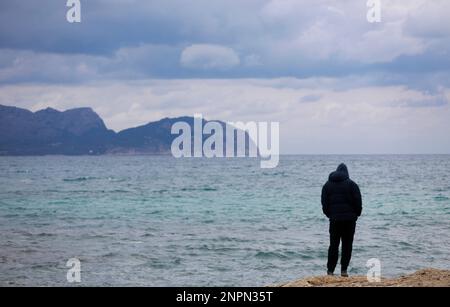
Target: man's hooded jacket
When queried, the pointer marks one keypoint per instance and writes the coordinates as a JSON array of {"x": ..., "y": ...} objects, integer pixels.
[{"x": 341, "y": 198}]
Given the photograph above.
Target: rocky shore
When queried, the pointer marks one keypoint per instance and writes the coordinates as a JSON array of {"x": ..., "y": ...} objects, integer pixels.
[{"x": 422, "y": 278}]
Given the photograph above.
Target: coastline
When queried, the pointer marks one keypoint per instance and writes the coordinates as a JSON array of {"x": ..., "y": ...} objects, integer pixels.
[{"x": 428, "y": 277}]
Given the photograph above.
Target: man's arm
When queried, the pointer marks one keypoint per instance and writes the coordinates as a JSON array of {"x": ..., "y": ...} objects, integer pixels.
[
  {"x": 357, "y": 201},
  {"x": 325, "y": 200}
]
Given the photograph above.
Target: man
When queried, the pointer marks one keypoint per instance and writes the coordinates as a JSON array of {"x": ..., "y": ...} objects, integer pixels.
[{"x": 341, "y": 203}]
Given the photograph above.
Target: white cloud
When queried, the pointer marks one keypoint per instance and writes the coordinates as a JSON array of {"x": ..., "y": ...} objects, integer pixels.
[
  {"x": 206, "y": 56},
  {"x": 341, "y": 32},
  {"x": 383, "y": 45},
  {"x": 429, "y": 20},
  {"x": 29, "y": 65}
]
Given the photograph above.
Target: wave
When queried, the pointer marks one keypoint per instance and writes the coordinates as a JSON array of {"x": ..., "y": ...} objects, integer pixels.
[
  {"x": 117, "y": 191},
  {"x": 214, "y": 248},
  {"x": 275, "y": 173},
  {"x": 161, "y": 191},
  {"x": 110, "y": 255},
  {"x": 441, "y": 198},
  {"x": 78, "y": 179},
  {"x": 207, "y": 189},
  {"x": 284, "y": 255},
  {"x": 208, "y": 221},
  {"x": 46, "y": 234},
  {"x": 230, "y": 239}
]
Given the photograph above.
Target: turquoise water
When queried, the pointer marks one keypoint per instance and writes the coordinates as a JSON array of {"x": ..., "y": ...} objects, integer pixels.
[{"x": 160, "y": 221}]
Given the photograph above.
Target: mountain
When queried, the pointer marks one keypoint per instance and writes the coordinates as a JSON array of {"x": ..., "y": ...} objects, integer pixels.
[
  {"x": 73, "y": 132},
  {"x": 154, "y": 137},
  {"x": 80, "y": 131}
]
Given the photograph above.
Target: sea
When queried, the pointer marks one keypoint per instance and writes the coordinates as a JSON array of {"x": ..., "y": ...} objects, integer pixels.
[{"x": 162, "y": 221}]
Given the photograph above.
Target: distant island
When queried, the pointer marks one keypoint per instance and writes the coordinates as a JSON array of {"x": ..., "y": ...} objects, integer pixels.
[{"x": 79, "y": 131}]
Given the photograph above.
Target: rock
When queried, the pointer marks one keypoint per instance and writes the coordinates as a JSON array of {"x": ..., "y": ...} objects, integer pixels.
[{"x": 423, "y": 278}]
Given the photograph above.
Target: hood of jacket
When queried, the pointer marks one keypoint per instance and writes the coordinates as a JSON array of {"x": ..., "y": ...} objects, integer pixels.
[{"x": 340, "y": 174}]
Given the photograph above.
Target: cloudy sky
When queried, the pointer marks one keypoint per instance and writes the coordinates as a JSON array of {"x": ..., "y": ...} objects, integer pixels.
[{"x": 334, "y": 81}]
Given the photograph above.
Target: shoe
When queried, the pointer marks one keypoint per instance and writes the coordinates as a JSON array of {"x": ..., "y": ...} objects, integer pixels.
[
  {"x": 344, "y": 273},
  {"x": 329, "y": 273}
]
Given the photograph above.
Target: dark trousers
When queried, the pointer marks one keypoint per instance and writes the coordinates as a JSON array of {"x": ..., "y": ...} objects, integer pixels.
[{"x": 340, "y": 230}]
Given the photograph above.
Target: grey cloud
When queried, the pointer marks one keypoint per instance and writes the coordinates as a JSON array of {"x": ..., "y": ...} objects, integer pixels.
[
  {"x": 310, "y": 98},
  {"x": 134, "y": 39},
  {"x": 430, "y": 21},
  {"x": 28, "y": 66},
  {"x": 421, "y": 102},
  {"x": 206, "y": 56}
]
